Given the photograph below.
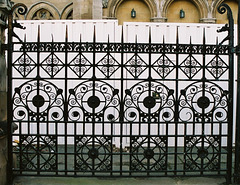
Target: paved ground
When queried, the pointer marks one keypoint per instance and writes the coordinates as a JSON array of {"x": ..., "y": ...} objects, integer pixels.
[{"x": 117, "y": 181}]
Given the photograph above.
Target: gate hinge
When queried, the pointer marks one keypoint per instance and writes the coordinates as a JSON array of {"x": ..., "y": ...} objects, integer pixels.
[
  {"x": 4, "y": 47},
  {"x": 236, "y": 50}
]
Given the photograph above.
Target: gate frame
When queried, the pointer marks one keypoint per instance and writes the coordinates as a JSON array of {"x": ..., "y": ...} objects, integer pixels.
[
  {"x": 237, "y": 139},
  {"x": 22, "y": 9}
]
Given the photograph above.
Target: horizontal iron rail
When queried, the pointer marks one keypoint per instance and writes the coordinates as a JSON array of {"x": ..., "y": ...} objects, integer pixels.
[{"x": 145, "y": 48}]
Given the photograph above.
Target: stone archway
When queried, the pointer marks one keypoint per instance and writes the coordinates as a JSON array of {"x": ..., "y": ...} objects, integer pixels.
[
  {"x": 199, "y": 11},
  {"x": 44, "y": 9},
  {"x": 114, "y": 5},
  {"x": 190, "y": 10},
  {"x": 123, "y": 12},
  {"x": 67, "y": 12}
]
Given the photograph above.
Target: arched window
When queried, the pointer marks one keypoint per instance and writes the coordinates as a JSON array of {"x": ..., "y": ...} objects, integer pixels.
[
  {"x": 42, "y": 14},
  {"x": 42, "y": 11}
]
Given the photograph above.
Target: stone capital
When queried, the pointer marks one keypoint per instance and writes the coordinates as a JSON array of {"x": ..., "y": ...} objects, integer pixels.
[
  {"x": 208, "y": 20},
  {"x": 159, "y": 19}
]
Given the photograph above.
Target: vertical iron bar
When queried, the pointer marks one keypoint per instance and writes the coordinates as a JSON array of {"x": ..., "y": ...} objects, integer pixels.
[
  {"x": 203, "y": 95},
  {"x": 237, "y": 139},
  {"x": 38, "y": 111},
  {"x": 94, "y": 85},
  {"x": 9, "y": 97},
  {"x": 176, "y": 113},
  {"x": 230, "y": 86},
  {"x": 65, "y": 103},
  {"x": 149, "y": 94},
  {"x": 122, "y": 103}
]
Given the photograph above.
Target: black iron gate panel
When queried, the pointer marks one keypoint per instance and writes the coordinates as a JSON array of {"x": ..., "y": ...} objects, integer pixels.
[{"x": 122, "y": 109}]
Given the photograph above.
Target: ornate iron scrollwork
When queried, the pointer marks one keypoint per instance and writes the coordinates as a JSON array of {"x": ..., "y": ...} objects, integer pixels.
[
  {"x": 94, "y": 101},
  {"x": 148, "y": 153},
  {"x": 146, "y": 108},
  {"x": 100, "y": 153},
  {"x": 203, "y": 102},
  {"x": 159, "y": 100},
  {"x": 22, "y": 10},
  {"x": 223, "y": 8},
  {"x": 38, "y": 152},
  {"x": 38, "y": 101},
  {"x": 202, "y": 153}
]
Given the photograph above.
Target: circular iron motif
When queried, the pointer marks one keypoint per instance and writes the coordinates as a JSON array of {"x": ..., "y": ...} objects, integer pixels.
[
  {"x": 203, "y": 102},
  {"x": 93, "y": 102},
  {"x": 99, "y": 152},
  {"x": 149, "y": 102},
  {"x": 38, "y": 101},
  {"x": 93, "y": 153},
  {"x": 202, "y": 153},
  {"x": 148, "y": 153},
  {"x": 145, "y": 157}
]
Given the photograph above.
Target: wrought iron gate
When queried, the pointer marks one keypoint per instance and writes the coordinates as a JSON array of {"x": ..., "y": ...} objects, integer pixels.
[{"x": 122, "y": 109}]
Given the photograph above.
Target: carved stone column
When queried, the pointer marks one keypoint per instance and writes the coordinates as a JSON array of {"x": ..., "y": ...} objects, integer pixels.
[
  {"x": 82, "y": 9},
  {"x": 76, "y": 9},
  {"x": 5, "y": 6},
  {"x": 97, "y": 9}
]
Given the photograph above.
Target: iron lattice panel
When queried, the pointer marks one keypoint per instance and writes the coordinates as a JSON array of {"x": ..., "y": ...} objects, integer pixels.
[{"x": 122, "y": 109}]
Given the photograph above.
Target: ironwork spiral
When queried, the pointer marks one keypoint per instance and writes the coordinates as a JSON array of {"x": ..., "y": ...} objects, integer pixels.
[
  {"x": 204, "y": 148},
  {"x": 21, "y": 8},
  {"x": 99, "y": 153},
  {"x": 223, "y": 8},
  {"x": 203, "y": 101},
  {"x": 142, "y": 155}
]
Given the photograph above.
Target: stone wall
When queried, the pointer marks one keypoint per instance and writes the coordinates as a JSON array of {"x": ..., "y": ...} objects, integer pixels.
[
  {"x": 4, "y": 8},
  {"x": 196, "y": 11},
  {"x": 3, "y": 161}
]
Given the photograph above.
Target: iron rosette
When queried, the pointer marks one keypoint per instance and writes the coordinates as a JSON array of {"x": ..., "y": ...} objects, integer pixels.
[
  {"x": 203, "y": 101},
  {"x": 149, "y": 102},
  {"x": 94, "y": 101},
  {"x": 38, "y": 100}
]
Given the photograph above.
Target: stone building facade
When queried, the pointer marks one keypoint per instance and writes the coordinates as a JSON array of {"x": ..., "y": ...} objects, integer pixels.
[{"x": 194, "y": 11}]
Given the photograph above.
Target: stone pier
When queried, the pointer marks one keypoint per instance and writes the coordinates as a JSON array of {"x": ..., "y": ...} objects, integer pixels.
[{"x": 5, "y": 6}]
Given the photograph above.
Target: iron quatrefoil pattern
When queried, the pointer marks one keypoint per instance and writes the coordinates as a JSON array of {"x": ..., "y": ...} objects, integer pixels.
[
  {"x": 38, "y": 152},
  {"x": 202, "y": 153},
  {"x": 95, "y": 150},
  {"x": 148, "y": 153}
]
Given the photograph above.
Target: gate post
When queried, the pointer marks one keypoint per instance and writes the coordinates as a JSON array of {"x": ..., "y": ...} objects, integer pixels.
[
  {"x": 237, "y": 141},
  {"x": 5, "y": 6}
]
